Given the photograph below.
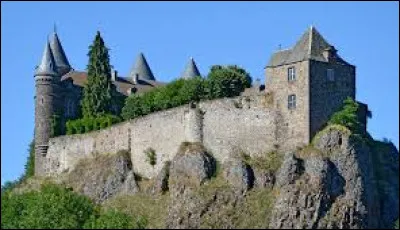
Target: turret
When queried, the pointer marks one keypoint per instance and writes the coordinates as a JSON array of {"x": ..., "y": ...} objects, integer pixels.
[
  {"x": 46, "y": 78},
  {"x": 60, "y": 59},
  {"x": 191, "y": 70},
  {"x": 141, "y": 69}
]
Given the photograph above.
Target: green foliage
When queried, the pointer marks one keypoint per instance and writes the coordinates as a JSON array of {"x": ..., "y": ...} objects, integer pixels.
[
  {"x": 51, "y": 207},
  {"x": 221, "y": 82},
  {"x": 30, "y": 163},
  {"x": 88, "y": 124},
  {"x": 29, "y": 170},
  {"x": 113, "y": 219},
  {"x": 58, "y": 207},
  {"x": 227, "y": 81},
  {"x": 396, "y": 224},
  {"x": 347, "y": 116},
  {"x": 151, "y": 156},
  {"x": 97, "y": 92}
]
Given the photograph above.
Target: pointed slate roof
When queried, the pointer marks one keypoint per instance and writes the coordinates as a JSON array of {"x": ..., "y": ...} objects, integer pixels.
[
  {"x": 191, "y": 70},
  {"x": 310, "y": 47},
  {"x": 142, "y": 69},
  {"x": 60, "y": 58},
  {"x": 47, "y": 65}
]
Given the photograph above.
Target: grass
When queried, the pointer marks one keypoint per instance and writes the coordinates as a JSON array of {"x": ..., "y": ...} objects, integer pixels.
[
  {"x": 270, "y": 161},
  {"x": 154, "y": 209}
]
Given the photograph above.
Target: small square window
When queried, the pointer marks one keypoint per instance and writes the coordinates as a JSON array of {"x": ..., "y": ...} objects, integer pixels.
[
  {"x": 292, "y": 101},
  {"x": 330, "y": 75},
  {"x": 291, "y": 74}
]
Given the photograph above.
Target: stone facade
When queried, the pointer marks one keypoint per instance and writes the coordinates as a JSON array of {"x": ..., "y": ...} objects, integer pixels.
[{"x": 249, "y": 126}]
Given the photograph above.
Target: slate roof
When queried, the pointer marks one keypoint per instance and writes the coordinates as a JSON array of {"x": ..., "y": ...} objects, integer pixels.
[
  {"x": 142, "y": 69},
  {"x": 123, "y": 85},
  {"x": 191, "y": 70},
  {"x": 47, "y": 65},
  {"x": 59, "y": 55},
  {"x": 310, "y": 47}
]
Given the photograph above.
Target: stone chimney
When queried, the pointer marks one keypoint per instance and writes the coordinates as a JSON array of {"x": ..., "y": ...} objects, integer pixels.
[{"x": 329, "y": 53}]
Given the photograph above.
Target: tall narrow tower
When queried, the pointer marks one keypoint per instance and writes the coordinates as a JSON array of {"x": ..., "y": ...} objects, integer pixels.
[{"x": 46, "y": 80}]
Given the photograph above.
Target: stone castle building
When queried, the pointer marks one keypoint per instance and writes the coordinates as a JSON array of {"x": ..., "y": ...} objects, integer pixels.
[{"x": 306, "y": 83}]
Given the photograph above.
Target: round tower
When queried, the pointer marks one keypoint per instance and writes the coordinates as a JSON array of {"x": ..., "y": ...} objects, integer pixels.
[{"x": 46, "y": 80}]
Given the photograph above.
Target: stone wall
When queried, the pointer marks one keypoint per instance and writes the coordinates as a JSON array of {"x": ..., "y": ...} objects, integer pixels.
[
  {"x": 224, "y": 126},
  {"x": 327, "y": 96},
  {"x": 295, "y": 120}
]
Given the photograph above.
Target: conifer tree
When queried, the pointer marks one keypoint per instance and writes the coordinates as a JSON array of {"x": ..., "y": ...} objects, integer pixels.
[{"x": 97, "y": 91}]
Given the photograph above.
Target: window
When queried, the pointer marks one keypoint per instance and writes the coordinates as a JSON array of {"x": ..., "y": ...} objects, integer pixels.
[
  {"x": 292, "y": 101},
  {"x": 330, "y": 75},
  {"x": 291, "y": 74}
]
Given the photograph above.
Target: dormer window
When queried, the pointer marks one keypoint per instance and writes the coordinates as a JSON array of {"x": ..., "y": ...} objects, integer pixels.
[
  {"x": 291, "y": 74},
  {"x": 330, "y": 74}
]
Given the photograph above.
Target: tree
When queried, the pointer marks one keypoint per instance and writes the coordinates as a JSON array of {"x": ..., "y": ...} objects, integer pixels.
[
  {"x": 227, "y": 81},
  {"x": 97, "y": 95},
  {"x": 347, "y": 116}
]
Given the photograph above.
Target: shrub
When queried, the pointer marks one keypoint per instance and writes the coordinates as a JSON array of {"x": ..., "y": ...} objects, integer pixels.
[
  {"x": 51, "y": 207},
  {"x": 85, "y": 125},
  {"x": 347, "y": 116},
  {"x": 221, "y": 82},
  {"x": 151, "y": 156}
]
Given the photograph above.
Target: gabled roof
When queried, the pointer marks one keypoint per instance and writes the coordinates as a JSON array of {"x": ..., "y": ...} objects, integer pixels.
[
  {"x": 191, "y": 70},
  {"x": 310, "y": 47},
  {"x": 47, "y": 65},
  {"x": 142, "y": 69},
  {"x": 60, "y": 58}
]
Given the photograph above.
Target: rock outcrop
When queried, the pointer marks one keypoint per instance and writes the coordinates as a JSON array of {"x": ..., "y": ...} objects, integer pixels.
[{"x": 103, "y": 176}]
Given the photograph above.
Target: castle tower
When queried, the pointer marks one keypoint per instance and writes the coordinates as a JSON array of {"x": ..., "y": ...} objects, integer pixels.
[
  {"x": 60, "y": 59},
  {"x": 46, "y": 79},
  {"x": 309, "y": 83},
  {"x": 141, "y": 70},
  {"x": 191, "y": 70}
]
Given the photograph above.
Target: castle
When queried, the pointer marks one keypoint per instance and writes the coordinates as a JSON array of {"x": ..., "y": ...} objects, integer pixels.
[{"x": 305, "y": 85}]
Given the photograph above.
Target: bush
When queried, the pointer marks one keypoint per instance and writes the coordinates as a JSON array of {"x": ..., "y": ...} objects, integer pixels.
[
  {"x": 51, "y": 207},
  {"x": 347, "y": 116},
  {"x": 221, "y": 82},
  {"x": 54, "y": 207},
  {"x": 85, "y": 125}
]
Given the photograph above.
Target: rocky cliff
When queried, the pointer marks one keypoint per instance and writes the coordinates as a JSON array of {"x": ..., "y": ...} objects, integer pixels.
[{"x": 341, "y": 180}]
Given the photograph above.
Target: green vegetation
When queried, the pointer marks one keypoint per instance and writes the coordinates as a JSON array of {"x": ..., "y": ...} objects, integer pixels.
[
  {"x": 269, "y": 161},
  {"x": 113, "y": 219},
  {"x": 221, "y": 82},
  {"x": 151, "y": 156},
  {"x": 88, "y": 124},
  {"x": 58, "y": 207},
  {"x": 29, "y": 170},
  {"x": 55, "y": 125},
  {"x": 396, "y": 224},
  {"x": 97, "y": 91},
  {"x": 348, "y": 117},
  {"x": 152, "y": 208}
]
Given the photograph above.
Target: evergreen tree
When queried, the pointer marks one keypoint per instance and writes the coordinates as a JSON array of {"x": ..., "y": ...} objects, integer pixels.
[{"x": 97, "y": 95}]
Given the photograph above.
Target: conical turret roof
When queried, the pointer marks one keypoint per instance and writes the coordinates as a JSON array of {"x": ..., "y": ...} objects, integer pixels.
[
  {"x": 191, "y": 70},
  {"x": 142, "y": 69},
  {"x": 60, "y": 58},
  {"x": 47, "y": 65}
]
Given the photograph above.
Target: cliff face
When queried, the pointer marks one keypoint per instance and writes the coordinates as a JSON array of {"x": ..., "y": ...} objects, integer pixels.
[{"x": 339, "y": 181}]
